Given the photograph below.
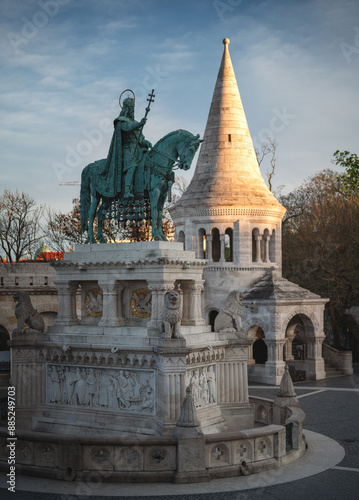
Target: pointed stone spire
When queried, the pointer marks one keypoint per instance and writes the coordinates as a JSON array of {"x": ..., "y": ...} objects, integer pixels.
[
  {"x": 227, "y": 174},
  {"x": 286, "y": 389},
  {"x": 188, "y": 415}
]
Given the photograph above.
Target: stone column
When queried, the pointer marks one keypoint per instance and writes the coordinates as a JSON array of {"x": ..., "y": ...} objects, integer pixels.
[
  {"x": 232, "y": 385},
  {"x": 111, "y": 294},
  {"x": 275, "y": 364},
  {"x": 288, "y": 356},
  {"x": 266, "y": 249},
  {"x": 158, "y": 290},
  {"x": 222, "y": 257},
  {"x": 66, "y": 303},
  {"x": 192, "y": 301},
  {"x": 209, "y": 247},
  {"x": 251, "y": 360},
  {"x": 258, "y": 248},
  {"x": 314, "y": 362},
  {"x": 171, "y": 382}
]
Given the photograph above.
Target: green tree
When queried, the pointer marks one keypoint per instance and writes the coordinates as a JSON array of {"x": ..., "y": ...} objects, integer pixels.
[{"x": 350, "y": 162}]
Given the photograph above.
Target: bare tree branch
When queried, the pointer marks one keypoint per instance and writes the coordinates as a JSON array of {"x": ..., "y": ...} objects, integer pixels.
[{"x": 20, "y": 225}]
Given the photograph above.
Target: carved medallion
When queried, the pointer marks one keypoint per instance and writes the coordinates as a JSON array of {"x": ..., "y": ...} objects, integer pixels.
[
  {"x": 93, "y": 302},
  {"x": 141, "y": 303}
]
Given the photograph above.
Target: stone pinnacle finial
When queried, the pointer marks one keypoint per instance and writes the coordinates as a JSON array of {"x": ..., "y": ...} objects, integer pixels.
[
  {"x": 226, "y": 41},
  {"x": 188, "y": 417},
  {"x": 286, "y": 388}
]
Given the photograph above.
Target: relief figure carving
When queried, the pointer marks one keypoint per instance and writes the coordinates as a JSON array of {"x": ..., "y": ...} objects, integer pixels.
[{"x": 126, "y": 390}]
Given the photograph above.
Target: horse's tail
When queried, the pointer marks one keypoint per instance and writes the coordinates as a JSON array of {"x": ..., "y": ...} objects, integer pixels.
[{"x": 85, "y": 197}]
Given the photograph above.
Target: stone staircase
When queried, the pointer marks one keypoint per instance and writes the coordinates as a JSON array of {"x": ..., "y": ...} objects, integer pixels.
[{"x": 332, "y": 371}]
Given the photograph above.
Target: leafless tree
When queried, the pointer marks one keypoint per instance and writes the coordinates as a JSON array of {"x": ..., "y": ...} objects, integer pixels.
[
  {"x": 20, "y": 225},
  {"x": 268, "y": 148}
]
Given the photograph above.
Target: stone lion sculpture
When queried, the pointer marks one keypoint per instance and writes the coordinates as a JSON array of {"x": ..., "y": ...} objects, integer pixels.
[
  {"x": 230, "y": 313},
  {"x": 172, "y": 316},
  {"x": 26, "y": 313}
]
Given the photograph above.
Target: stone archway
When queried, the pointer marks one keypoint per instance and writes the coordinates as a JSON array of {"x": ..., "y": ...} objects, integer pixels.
[
  {"x": 4, "y": 348},
  {"x": 302, "y": 350},
  {"x": 258, "y": 351},
  {"x": 299, "y": 333},
  {"x": 213, "y": 313}
]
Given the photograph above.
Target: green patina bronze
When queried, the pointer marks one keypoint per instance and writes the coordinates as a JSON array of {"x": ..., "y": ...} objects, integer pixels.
[{"x": 131, "y": 185}]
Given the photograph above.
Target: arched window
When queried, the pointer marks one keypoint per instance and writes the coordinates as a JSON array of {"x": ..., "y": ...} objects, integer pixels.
[
  {"x": 211, "y": 318},
  {"x": 182, "y": 239},
  {"x": 201, "y": 244},
  {"x": 228, "y": 245},
  {"x": 260, "y": 349},
  {"x": 216, "y": 245}
]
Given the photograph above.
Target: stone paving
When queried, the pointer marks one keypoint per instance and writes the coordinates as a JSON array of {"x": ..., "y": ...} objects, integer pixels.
[{"x": 332, "y": 409}]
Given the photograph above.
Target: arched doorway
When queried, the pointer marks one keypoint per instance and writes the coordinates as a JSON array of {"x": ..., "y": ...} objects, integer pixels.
[
  {"x": 302, "y": 352},
  {"x": 260, "y": 349},
  {"x": 4, "y": 349},
  {"x": 182, "y": 239},
  {"x": 212, "y": 315}
]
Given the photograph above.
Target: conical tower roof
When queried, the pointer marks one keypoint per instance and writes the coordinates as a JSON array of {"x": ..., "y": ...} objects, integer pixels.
[{"x": 227, "y": 174}]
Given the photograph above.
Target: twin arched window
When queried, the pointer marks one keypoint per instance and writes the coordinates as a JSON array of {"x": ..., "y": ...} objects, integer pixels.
[{"x": 263, "y": 245}]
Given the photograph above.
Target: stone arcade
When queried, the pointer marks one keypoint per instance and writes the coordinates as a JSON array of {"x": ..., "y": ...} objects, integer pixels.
[{"x": 103, "y": 392}]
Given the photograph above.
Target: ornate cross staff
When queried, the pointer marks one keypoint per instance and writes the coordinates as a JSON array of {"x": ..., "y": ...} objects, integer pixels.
[{"x": 151, "y": 95}]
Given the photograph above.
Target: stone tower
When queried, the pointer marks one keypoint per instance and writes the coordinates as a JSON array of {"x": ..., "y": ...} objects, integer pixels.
[{"x": 228, "y": 215}]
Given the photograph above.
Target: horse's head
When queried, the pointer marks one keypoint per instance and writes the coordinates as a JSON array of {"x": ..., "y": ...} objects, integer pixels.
[{"x": 187, "y": 148}]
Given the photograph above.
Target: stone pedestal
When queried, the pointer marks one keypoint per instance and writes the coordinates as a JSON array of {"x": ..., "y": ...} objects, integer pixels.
[{"x": 107, "y": 368}]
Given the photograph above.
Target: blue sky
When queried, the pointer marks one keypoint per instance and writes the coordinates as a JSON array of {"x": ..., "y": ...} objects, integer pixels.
[{"x": 65, "y": 63}]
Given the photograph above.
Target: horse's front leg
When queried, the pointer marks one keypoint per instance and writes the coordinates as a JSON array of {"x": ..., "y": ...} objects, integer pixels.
[
  {"x": 102, "y": 211},
  {"x": 161, "y": 203},
  {"x": 92, "y": 212},
  {"x": 154, "y": 196}
]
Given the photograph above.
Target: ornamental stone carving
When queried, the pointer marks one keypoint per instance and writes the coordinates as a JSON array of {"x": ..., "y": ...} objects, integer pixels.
[
  {"x": 93, "y": 302},
  {"x": 231, "y": 313},
  {"x": 26, "y": 314},
  {"x": 141, "y": 303},
  {"x": 127, "y": 390},
  {"x": 172, "y": 315},
  {"x": 203, "y": 383}
]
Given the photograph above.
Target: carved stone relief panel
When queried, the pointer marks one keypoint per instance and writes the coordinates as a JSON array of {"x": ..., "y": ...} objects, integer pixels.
[
  {"x": 141, "y": 303},
  {"x": 93, "y": 302},
  {"x": 203, "y": 380},
  {"x": 126, "y": 390}
]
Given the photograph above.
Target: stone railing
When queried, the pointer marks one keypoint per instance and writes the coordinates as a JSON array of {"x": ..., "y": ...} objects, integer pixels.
[
  {"x": 342, "y": 360},
  {"x": 263, "y": 410},
  {"x": 147, "y": 459},
  {"x": 26, "y": 275}
]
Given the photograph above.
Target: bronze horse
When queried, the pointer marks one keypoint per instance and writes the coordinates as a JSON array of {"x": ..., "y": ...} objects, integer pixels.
[{"x": 152, "y": 183}]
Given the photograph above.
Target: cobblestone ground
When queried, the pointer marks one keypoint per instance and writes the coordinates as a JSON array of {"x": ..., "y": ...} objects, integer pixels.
[{"x": 332, "y": 409}]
